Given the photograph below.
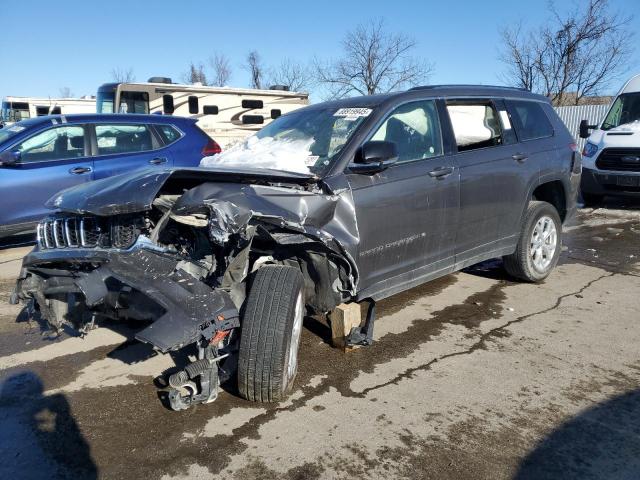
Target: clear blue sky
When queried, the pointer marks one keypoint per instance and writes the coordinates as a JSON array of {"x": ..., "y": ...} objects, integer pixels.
[{"x": 49, "y": 44}]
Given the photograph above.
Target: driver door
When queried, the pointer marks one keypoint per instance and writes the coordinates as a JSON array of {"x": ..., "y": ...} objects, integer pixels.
[{"x": 407, "y": 214}]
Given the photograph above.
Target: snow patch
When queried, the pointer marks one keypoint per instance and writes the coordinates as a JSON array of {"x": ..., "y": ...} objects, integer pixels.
[
  {"x": 267, "y": 152},
  {"x": 628, "y": 127}
]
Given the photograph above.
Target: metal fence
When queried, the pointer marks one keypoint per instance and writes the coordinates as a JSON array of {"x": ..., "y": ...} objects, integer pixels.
[{"x": 571, "y": 116}]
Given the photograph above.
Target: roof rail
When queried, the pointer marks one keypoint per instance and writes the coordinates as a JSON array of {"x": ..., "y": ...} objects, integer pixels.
[{"x": 429, "y": 87}]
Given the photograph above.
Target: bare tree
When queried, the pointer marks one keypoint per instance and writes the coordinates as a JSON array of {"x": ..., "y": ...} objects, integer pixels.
[
  {"x": 221, "y": 68},
  {"x": 65, "y": 92},
  {"x": 123, "y": 75},
  {"x": 294, "y": 75},
  {"x": 373, "y": 61},
  {"x": 255, "y": 68},
  {"x": 570, "y": 57},
  {"x": 195, "y": 74}
]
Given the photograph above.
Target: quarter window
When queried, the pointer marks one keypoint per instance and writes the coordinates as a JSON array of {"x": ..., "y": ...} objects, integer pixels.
[
  {"x": 415, "y": 129},
  {"x": 57, "y": 143},
  {"x": 533, "y": 122},
  {"x": 123, "y": 139},
  {"x": 475, "y": 125},
  {"x": 168, "y": 133}
]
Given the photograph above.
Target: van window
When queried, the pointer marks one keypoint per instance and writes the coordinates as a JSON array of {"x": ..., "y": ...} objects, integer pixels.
[
  {"x": 123, "y": 139},
  {"x": 626, "y": 109},
  {"x": 58, "y": 143},
  {"x": 532, "y": 121},
  {"x": 476, "y": 124},
  {"x": 415, "y": 129}
]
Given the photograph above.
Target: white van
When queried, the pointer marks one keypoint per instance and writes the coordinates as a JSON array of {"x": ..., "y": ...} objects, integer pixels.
[
  {"x": 611, "y": 156},
  {"x": 15, "y": 109},
  {"x": 227, "y": 115}
]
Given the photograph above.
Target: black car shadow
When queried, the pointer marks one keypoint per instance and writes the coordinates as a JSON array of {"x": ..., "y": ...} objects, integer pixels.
[
  {"x": 602, "y": 442},
  {"x": 39, "y": 437}
]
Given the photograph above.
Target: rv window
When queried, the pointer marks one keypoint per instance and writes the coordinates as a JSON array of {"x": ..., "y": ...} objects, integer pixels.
[
  {"x": 210, "y": 109},
  {"x": 123, "y": 139},
  {"x": 41, "y": 111},
  {"x": 104, "y": 102},
  {"x": 193, "y": 105},
  {"x": 252, "y": 104},
  {"x": 56, "y": 111},
  {"x": 57, "y": 143},
  {"x": 275, "y": 113},
  {"x": 167, "y": 104},
  {"x": 252, "y": 119},
  {"x": 134, "y": 102},
  {"x": 15, "y": 111}
]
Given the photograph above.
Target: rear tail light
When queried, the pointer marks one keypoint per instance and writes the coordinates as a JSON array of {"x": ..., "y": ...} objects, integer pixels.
[{"x": 211, "y": 148}]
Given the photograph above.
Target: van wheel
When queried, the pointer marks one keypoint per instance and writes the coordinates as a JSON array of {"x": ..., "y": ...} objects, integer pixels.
[
  {"x": 590, "y": 199},
  {"x": 270, "y": 335},
  {"x": 539, "y": 245}
]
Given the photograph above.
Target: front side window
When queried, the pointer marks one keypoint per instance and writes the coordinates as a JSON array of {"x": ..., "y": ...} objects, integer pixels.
[
  {"x": 625, "y": 110},
  {"x": 475, "y": 124},
  {"x": 533, "y": 122},
  {"x": 123, "y": 139},
  {"x": 415, "y": 129},
  {"x": 133, "y": 102},
  {"x": 58, "y": 143}
]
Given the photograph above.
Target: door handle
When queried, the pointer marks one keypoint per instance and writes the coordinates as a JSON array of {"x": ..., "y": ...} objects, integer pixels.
[
  {"x": 519, "y": 157},
  {"x": 80, "y": 170},
  {"x": 441, "y": 172},
  {"x": 158, "y": 161}
]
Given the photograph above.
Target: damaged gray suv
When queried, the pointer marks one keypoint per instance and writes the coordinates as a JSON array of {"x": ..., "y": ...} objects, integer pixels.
[{"x": 339, "y": 202}]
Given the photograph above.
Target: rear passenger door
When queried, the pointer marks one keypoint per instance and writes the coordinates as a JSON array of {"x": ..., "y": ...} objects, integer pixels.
[
  {"x": 123, "y": 147},
  {"x": 493, "y": 170}
]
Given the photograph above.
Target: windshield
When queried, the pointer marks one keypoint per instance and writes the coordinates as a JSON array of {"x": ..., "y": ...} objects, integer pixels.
[
  {"x": 104, "y": 102},
  {"x": 14, "y": 111},
  {"x": 305, "y": 141},
  {"x": 9, "y": 132},
  {"x": 625, "y": 111}
]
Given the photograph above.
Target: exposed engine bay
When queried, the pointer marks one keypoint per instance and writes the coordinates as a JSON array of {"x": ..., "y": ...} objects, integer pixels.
[{"x": 177, "y": 252}]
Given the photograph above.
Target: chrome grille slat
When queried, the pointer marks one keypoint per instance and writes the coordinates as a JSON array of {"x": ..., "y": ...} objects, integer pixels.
[
  {"x": 87, "y": 232},
  {"x": 56, "y": 237}
]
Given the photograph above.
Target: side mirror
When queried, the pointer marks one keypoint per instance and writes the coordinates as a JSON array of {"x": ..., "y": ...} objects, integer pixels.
[
  {"x": 167, "y": 104},
  {"x": 10, "y": 157},
  {"x": 374, "y": 156},
  {"x": 585, "y": 127}
]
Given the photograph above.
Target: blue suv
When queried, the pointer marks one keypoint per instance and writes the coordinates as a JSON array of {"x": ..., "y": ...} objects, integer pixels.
[{"x": 41, "y": 156}]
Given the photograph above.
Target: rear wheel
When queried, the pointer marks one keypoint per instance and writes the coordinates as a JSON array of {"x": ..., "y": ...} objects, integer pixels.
[
  {"x": 539, "y": 245},
  {"x": 270, "y": 335}
]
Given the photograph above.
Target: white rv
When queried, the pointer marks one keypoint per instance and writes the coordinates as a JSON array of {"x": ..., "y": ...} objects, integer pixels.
[
  {"x": 15, "y": 109},
  {"x": 226, "y": 114},
  {"x": 611, "y": 156}
]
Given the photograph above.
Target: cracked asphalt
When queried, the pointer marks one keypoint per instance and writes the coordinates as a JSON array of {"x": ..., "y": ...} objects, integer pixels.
[{"x": 471, "y": 376}]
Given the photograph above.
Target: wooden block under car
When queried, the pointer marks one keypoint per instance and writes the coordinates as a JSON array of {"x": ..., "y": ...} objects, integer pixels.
[{"x": 343, "y": 318}]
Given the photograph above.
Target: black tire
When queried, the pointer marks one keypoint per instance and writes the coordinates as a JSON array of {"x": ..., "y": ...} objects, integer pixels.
[
  {"x": 266, "y": 334},
  {"x": 591, "y": 199},
  {"x": 520, "y": 264}
]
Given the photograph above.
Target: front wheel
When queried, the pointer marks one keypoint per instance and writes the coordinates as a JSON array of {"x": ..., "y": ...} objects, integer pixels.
[
  {"x": 539, "y": 245},
  {"x": 270, "y": 335}
]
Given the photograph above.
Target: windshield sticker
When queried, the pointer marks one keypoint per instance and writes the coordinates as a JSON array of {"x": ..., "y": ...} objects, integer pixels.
[
  {"x": 16, "y": 128},
  {"x": 311, "y": 160},
  {"x": 352, "y": 113}
]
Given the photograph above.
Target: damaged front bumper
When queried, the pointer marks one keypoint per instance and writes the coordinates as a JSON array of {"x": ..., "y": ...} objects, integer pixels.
[{"x": 145, "y": 283}]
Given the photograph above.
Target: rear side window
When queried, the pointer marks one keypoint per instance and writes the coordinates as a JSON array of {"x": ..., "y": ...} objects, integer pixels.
[
  {"x": 531, "y": 120},
  {"x": 59, "y": 143},
  {"x": 123, "y": 139},
  {"x": 476, "y": 124},
  {"x": 415, "y": 129},
  {"x": 168, "y": 133}
]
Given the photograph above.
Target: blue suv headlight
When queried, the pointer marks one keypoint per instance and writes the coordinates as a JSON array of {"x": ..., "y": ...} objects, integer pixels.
[{"x": 589, "y": 150}]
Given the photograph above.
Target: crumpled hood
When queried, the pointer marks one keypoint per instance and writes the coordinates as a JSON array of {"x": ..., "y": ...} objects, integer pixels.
[{"x": 135, "y": 191}]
